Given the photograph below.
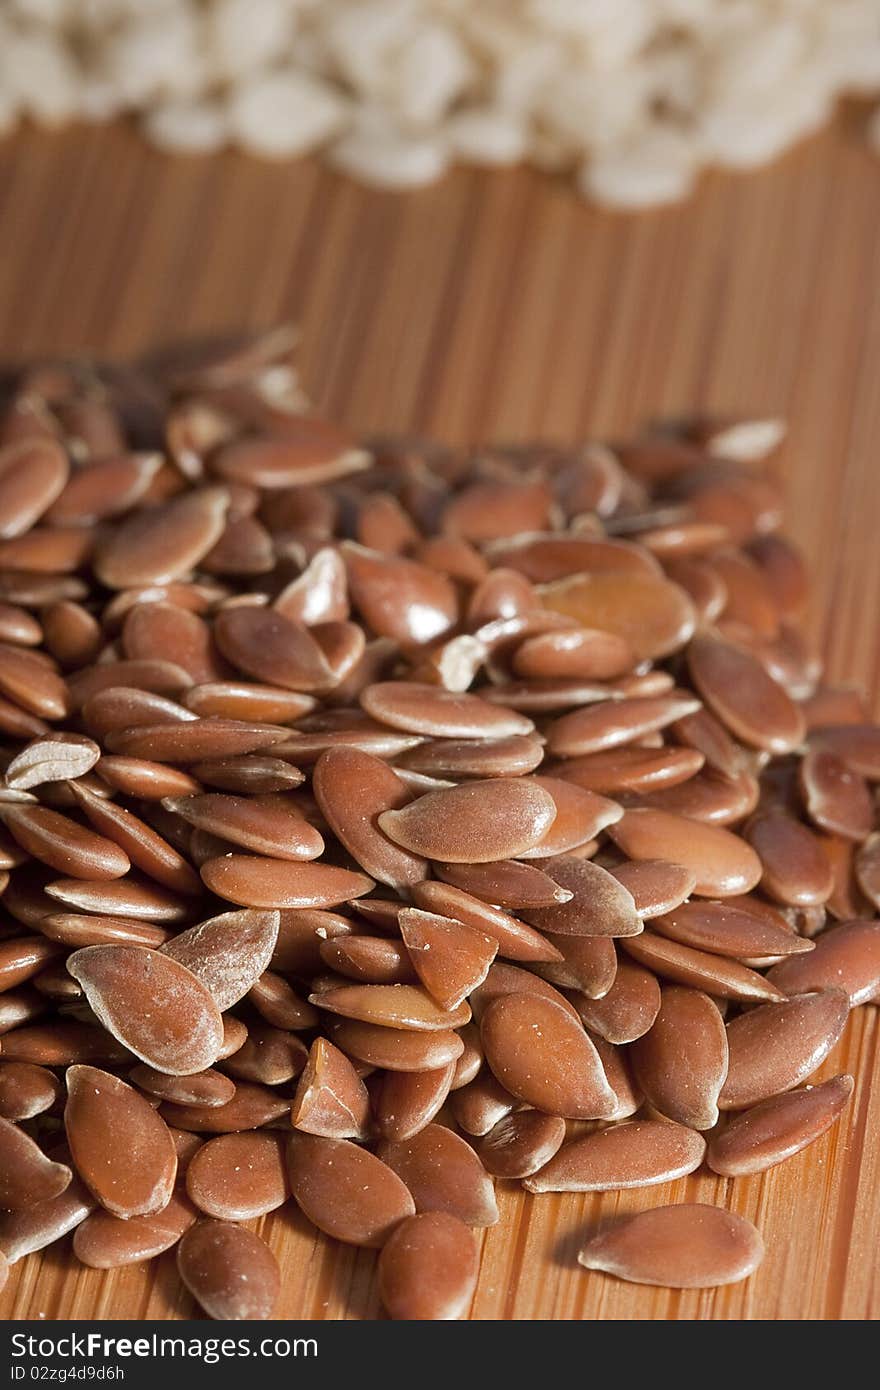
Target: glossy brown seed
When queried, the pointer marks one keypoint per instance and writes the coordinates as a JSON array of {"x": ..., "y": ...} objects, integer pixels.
[
  {"x": 309, "y": 450},
  {"x": 396, "y": 1049},
  {"x": 432, "y": 711},
  {"x": 22, "y": 958},
  {"x": 652, "y": 615},
  {"x": 107, "y": 487},
  {"x": 847, "y": 957},
  {"x": 254, "y": 775},
  {"x": 599, "y": 906},
  {"x": 162, "y": 543},
  {"x": 503, "y": 979},
  {"x": 516, "y": 941},
  {"x": 443, "y": 1173},
  {"x": 717, "y": 975},
  {"x": 399, "y": 598},
  {"x": 371, "y": 960},
  {"x": 541, "y": 1055},
  {"x": 201, "y": 1088},
  {"x": 104, "y": 1241},
  {"x": 118, "y": 708},
  {"x": 164, "y": 631},
  {"x": 450, "y": 959},
  {"x": 475, "y": 822},
  {"x": 27, "y": 1176},
  {"x": 508, "y": 882},
  {"x": 279, "y": 1003},
  {"x": 629, "y": 1007},
  {"x": 543, "y": 558},
  {"x": 580, "y": 816},
  {"x": 857, "y": 745},
  {"x": 406, "y": 1102},
  {"x": 479, "y": 1105},
  {"x": 738, "y": 689},
  {"x": 152, "y": 1004},
  {"x": 681, "y": 1062},
  {"x": 353, "y": 789},
  {"x": 777, "y": 1046},
  {"x": 346, "y": 1191},
  {"x": 331, "y": 1100},
  {"x": 580, "y": 653},
  {"x": 267, "y": 825},
  {"x": 194, "y": 740},
  {"x": 252, "y": 881},
  {"x": 237, "y": 1177},
  {"x": 639, "y": 1153},
  {"x": 458, "y": 758},
  {"x": 836, "y": 798},
  {"x": 58, "y": 1044},
  {"x": 26, "y": 1090},
  {"x": 272, "y": 648},
  {"x": 144, "y": 847},
  {"x": 146, "y": 780},
  {"x": 229, "y": 1271},
  {"x": 125, "y": 897},
  {"x": 428, "y": 1269},
  {"x": 249, "y": 701},
  {"x": 392, "y": 1006},
  {"x": 795, "y": 871},
  {"x": 723, "y": 864},
  {"x": 776, "y": 1129},
  {"x": 64, "y": 844},
  {"x": 656, "y": 885},
  {"x": 519, "y": 1145},
  {"x": 268, "y": 1056},
  {"x": 710, "y": 796},
  {"x": 589, "y": 963},
  {"x": 122, "y": 1149},
  {"x": 680, "y": 1247},
  {"x": 33, "y": 1227},
  {"x": 251, "y": 1107},
  {"x": 32, "y": 475},
  {"x": 319, "y": 594},
  {"x": 83, "y": 929},
  {"x": 54, "y": 758},
  {"x": 32, "y": 684},
  {"x": 610, "y": 723},
  {"x": 631, "y": 769},
  {"x": 725, "y": 929}
]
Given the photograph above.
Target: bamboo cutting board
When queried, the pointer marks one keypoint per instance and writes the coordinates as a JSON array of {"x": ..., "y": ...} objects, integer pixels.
[{"x": 497, "y": 305}]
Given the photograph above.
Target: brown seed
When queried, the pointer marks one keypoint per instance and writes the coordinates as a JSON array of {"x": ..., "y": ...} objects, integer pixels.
[
  {"x": 752, "y": 705},
  {"x": 251, "y": 1107},
  {"x": 104, "y": 1241},
  {"x": 18, "y": 626},
  {"x": 40, "y": 1224},
  {"x": 26, "y": 1090},
  {"x": 406, "y": 1102},
  {"x": 582, "y": 653},
  {"x": 144, "y": 848},
  {"x": 710, "y": 796},
  {"x": 27, "y": 1176},
  {"x": 237, "y": 1177},
  {"x": 725, "y": 929},
  {"x": 399, "y": 598},
  {"x": 657, "y": 885},
  {"x": 63, "y": 844},
  {"x": 428, "y": 1269},
  {"x": 194, "y": 740},
  {"x": 54, "y": 758},
  {"x": 396, "y": 1049},
  {"x": 371, "y": 960},
  {"x": 474, "y": 823},
  {"x": 681, "y": 1062},
  {"x": 152, "y": 1004},
  {"x": 836, "y": 798},
  {"x": 331, "y": 1100},
  {"x": 352, "y": 788},
  {"x": 319, "y": 594},
  {"x": 777, "y": 1046},
  {"x": 125, "y": 897},
  {"x": 724, "y": 865},
  {"x": 279, "y": 1003},
  {"x": 346, "y": 1191},
  {"x": 600, "y": 905},
  {"x": 230, "y": 1271},
  {"x": 270, "y": 647},
  {"x": 450, "y": 959},
  {"x": 119, "y": 708},
  {"x": 480, "y": 1104},
  {"x": 61, "y": 1043},
  {"x": 392, "y": 1006},
  {"x": 652, "y": 615},
  {"x": 680, "y": 1247},
  {"x": 503, "y": 979},
  {"x": 132, "y": 1178},
  {"x": 32, "y": 684},
  {"x": 268, "y": 1056},
  {"x": 144, "y": 779},
  {"x": 847, "y": 957},
  {"x": 589, "y": 963},
  {"x": 458, "y": 758},
  {"x": 248, "y": 701},
  {"x": 546, "y": 558},
  {"x": 22, "y": 958},
  {"x": 515, "y": 940},
  {"x": 542, "y": 1056},
  {"x": 162, "y": 543},
  {"x": 639, "y": 1153},
  {"x": 430, "y": 710},
  {"x": 519, "y": 1145},
  {"x": 606, "y": 725},
  {"x": 796, "y": 872},
  {"x": 716, "y": 975},
  {"x": 309, "y": 450},
  {"x": 580, "y": 816},
  {"x": 443, "y": 1173},
  {"x": 627, "y": 1010},
  {"x": 867, "y": 869},
  {"x": 857, "y": 745},
  {"x": 631, "y": 769},
  {"x": 32, "y": 475},
  {"x": 253, "y": 881},
  {"x": 82, "y": 929},
  {"x": 778, "y": 1128},
  {"x": 270, "y": 826},
  {"x": 255, "y": 775},
  {"x": 164, "y": 631},
  {"x": 107, "y": 487},
  {"x": 508, "y": 882}
]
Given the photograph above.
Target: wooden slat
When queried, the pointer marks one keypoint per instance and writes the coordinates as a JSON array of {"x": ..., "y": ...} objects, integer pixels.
[{"x": 499, "y": 306}]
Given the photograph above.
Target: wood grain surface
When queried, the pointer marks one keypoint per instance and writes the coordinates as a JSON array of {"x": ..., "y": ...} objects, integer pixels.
[{"x": 497, "y": 305}]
